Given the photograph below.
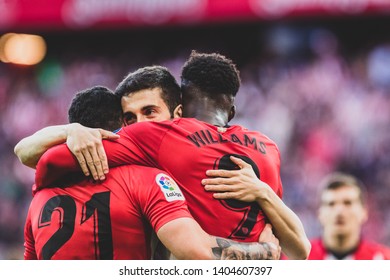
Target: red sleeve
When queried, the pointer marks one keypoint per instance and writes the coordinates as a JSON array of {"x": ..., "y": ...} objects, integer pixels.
[
  {"x": 163, "y": 201},
  {"x": 29, "y": 243},
  {"x": 53, "y": 164},
  {"x": 59, "y": 161}
]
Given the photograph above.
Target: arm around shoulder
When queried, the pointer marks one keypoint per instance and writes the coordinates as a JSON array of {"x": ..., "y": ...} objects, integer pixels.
[
  {"x": 186, "y": 240},
  {"x": 30, "y": 149}
]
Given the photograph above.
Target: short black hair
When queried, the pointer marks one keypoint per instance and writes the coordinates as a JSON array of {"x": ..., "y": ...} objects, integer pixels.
[
  {"x": 212, "y": 74},
  {"x": 337, "y": 180},
  {"x": 96, "y": 107},
  {"x": 152, "y": 77}
]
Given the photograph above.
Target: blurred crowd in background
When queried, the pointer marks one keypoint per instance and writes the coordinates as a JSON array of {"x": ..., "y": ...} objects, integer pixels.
[{"x": 319, "y": 90}]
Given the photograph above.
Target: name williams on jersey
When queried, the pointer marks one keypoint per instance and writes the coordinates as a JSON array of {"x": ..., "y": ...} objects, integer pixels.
[{"x": 205, "y": 137}]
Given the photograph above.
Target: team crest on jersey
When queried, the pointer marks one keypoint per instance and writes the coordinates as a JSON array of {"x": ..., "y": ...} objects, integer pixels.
[{"x": 169, "y": 187}]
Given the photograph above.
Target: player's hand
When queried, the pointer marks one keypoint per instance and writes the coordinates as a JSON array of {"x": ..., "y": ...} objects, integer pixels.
[
  {"x": 241, "y": 184},
  {"x": 267, "y": 237},
  {"x": 86, "y": 144}
]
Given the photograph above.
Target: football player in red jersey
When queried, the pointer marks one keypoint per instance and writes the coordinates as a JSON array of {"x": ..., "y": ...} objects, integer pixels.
[
  {"x": 115, "y": 218},
  {"x": 153, "y": 95},
  {"x": 342, "y": 214},
  {"x": 179, "y": 144}
]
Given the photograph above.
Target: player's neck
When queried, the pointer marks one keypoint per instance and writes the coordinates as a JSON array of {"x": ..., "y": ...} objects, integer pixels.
[
  {"x": 211, "y": 115},
  {"x": 213, "y": 119},
  {"x": 342, "y": 243}
]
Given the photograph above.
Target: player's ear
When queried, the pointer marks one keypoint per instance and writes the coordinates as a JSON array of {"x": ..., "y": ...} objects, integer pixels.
[
  {"x": 178, "y": 112},
  {"x": 232, "y": 113}
]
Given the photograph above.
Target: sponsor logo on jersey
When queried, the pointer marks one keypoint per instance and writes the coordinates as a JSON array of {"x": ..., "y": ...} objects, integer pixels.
[{"x": 169, "y": 187}]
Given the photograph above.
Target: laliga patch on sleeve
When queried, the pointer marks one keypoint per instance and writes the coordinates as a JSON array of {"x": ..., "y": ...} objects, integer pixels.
[{"x": 169, "y": 187}]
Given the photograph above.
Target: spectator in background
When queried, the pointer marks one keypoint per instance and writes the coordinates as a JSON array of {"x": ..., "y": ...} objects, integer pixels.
[{"x": 342, "y": 214}]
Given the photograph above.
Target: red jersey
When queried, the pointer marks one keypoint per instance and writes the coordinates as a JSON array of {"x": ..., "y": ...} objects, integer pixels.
[
  {"x": 186, "y": 148},
  {"x": 110, "y": 220},
  {"x": 366, "y": 250}
]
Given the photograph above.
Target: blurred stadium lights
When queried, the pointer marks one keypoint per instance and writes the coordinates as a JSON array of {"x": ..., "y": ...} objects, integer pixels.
[
  {"x": 91, "y": 14},
  {"x": 23, "y": 49}
]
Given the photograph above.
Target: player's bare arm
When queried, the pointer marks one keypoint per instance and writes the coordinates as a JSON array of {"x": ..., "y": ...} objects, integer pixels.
[
  {"x": 267, "y": 249},
  {"x": 85, "y": 143},
  {"x": 30, "y": 149},
  {"x": 186, "y": 240},
  {"x": 244, "y": 185}
]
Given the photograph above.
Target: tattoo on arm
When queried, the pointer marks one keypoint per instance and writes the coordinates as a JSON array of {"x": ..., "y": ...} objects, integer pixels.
[{"x": 231, "y": 250}]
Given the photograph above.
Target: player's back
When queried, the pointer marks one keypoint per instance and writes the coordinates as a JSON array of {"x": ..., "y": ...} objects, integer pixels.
[
  {"x": 186, "y": 148},
  {"x": 107, "y": 220}
]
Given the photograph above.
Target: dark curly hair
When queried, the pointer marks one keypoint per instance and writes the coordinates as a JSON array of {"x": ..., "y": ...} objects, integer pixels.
[
  {"x": 96, "y": 107},
  {"x": 152, "y": 77},
  {"x": 212, "y": 74}
]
